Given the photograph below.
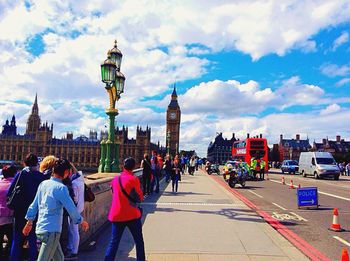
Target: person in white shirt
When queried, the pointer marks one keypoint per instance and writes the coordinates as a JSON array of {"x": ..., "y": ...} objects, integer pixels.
[{"x": 73, "y": 235}]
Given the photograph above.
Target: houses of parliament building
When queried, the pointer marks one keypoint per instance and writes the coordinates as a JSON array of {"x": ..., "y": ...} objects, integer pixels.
[{"x": 83, "y": 151}]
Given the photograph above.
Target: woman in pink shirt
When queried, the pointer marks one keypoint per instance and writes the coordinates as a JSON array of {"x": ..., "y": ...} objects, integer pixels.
[
  {"x": 6, "y": 214},
  {"x": 125, "y": 212}
]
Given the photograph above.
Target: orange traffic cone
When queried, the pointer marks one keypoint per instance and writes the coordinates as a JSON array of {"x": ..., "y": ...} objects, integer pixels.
[
  {"x": 299, "y": 186},
  {"x": 335, "y": 225},
  {"x": 283, "y": 182},
  {"x": 291, "y": 184},
  {"x": 344, "y": 255},
  {"x": 267, "y": 176}
]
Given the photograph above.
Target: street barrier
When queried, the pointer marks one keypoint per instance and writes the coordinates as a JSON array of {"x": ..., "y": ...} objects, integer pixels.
[
  {"x": 291, "y": 184},
  {"x": 283, "y": 182},
  {"x": 335, "y": 224},
  {"x": 344, "y": 255}
]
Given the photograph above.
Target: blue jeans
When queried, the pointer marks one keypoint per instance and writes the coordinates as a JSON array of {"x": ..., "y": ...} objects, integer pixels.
[
  {"x": 135, "y": 227},
  {"x": 155, "y": 181},
  {"x": 167, "y": 175},
  {"x": 175, "y": 182},
  {"x": 17, "y": 245}
]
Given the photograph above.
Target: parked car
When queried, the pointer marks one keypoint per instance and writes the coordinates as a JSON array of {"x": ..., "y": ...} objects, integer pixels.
[
  {"x": 318, "y": 164},
  {"x": 290, "y": 166}
]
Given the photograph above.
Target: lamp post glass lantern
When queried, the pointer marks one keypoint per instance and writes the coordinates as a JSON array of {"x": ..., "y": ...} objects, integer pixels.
[{"x": 114, "y": 82}]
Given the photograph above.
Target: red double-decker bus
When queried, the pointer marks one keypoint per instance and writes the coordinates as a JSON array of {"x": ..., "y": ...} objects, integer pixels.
[{"x": 249, "y": 148}]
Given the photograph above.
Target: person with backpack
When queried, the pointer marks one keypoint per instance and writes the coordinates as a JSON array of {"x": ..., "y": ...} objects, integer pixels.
[
  {"x": 6, "y": 214},
  {"x": 29, "y": 180},
  {"x": 124, "y": 211}
]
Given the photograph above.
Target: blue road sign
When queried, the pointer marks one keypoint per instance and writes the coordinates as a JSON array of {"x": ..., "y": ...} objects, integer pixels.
[{"x": 307, "y": 197}]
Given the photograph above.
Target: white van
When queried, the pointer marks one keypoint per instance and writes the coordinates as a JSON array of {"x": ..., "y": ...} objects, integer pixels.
[{"x": 318, "y": 164}]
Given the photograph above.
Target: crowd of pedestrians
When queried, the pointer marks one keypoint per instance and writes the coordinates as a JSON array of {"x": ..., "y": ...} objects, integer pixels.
[{"x": 31, "y": 210}]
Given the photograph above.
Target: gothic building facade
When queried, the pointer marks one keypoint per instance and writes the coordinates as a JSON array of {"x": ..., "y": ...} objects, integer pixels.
[
  {"x": 83, "y": 151},
  {"x": 220, "y": 150}
]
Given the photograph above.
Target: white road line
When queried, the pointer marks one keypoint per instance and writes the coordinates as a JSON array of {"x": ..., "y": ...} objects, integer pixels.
[
  {"x": 255, "y": 194},
  {"x": 279, "y": 206},
  {"x": 300, "y": 217},
  {"x": 321, "y": 192},
  {"x": 332, "y": 195},
  {"x": 342, "y": 240}
]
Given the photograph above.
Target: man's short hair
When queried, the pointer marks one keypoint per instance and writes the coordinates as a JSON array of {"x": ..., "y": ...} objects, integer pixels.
[
  {"x": 60, "y": 166},
  {"x": 129, "y": 163},
  {"x": 31, "y": 160},
  {"x": 9, "y": 171}
]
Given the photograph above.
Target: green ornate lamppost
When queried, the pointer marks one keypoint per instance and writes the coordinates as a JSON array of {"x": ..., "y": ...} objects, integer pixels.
[{"x": 114, "y": 80}]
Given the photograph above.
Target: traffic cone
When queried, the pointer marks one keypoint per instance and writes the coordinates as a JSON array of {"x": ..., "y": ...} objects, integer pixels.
[
  {"x": 344, "y": 255},
  {"x": 283, "y": 182},
  {"x": 267, "y": 176},
  {"x": 299, "y": 186},
  {"x": 291, "y": 184},
  {"x": 335, "y": 225}
]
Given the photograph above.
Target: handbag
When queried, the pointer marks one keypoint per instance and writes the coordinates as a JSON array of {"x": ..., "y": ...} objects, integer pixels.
[
  {"x": 89, "y": 196},
  {"x": 129, "y": 197},
  {"x": 14, "y": 196}
]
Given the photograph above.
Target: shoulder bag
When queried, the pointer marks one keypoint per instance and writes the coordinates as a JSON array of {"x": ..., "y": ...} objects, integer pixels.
[
  {"x": 129, "y": 197},
  {"x": 14, "y": 196}
]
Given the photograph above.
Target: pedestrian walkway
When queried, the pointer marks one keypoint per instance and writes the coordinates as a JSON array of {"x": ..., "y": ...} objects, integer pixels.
[{"x": 202, "y": 222}]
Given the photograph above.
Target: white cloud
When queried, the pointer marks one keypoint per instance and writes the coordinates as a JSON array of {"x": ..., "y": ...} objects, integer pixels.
[
  {"x": 330, "y": 109},
  {"x": 343, "y": 38},
  {"x": 333, "y": 70},
  {"x": 343, "y": 82}
]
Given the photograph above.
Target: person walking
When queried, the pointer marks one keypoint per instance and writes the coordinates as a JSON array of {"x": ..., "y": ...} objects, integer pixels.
[
  {"x": 175, "y": 177},
  {"x": 348, "y": 169},
  {"x": 155, "y": 172},
  {"x": 124, "y": 211},
  {"x": 52, "y": 196},
  {"x": 146, "y": 174},
  {"x": 73, "y": 229},
  {"x": 192, "y": 166},
  {"x": 29, "y": 180},
  {"x": 47, "y": 165},
  {"x": 168, "y": 168},
  {"x": 6, "y": 214}
]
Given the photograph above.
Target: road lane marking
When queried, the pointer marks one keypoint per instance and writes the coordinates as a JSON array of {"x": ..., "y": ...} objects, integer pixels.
[
  {"x": 256, "y": 194},
  {"x": 300, "y": 217},
  {"x": 279, "y": 206},
  {"x": 342, "y": 240},
  {"x": 319, "y": 191}
]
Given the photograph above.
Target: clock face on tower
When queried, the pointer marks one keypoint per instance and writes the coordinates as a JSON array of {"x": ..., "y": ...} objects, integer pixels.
[{"x": 172, "y": 115}]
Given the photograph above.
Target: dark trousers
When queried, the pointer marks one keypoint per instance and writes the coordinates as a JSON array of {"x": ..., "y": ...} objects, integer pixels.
[
  {"x": 5, "y": 230},
  {"x": 175, "y": 182},
  {"x": 262, "y": 174},
  {"x": 135, "y": 227},
  {"x": 146, "y": 183},
  {"x": 17, "y": 245},
  {"x": 155, "y": 182}
]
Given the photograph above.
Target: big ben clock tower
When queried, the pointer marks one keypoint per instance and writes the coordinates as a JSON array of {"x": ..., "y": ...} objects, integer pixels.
[{"x": 173, "y": 117}]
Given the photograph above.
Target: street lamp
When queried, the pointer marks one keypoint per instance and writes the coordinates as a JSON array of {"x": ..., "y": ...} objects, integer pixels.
[{"x": 114, "y": 82}]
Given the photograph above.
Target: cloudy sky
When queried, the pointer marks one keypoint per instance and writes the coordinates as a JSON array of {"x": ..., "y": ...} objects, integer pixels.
[{"x": 266, "y": 67}]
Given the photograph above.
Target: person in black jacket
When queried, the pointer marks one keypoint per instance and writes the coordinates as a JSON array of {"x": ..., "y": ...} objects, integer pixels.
[
  {"x": 29, "y": 181},
  {"x": 146, "y": 174},
  {"x": 168, "y": 168}
]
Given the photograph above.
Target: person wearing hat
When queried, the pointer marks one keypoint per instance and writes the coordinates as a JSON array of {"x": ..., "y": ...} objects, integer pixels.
[{"x": 124, "y": 211}]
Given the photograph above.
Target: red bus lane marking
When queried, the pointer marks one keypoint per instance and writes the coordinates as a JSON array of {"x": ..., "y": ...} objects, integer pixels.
[{"x": 301, "y": 244}]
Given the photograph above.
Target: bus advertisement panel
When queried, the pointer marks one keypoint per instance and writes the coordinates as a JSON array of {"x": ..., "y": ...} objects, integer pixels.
[{"x": 249, "y": 148}]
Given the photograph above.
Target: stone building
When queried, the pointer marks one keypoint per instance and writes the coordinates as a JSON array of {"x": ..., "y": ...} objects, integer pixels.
[
  {"x": 83, "y": 151},
  {"x": 290, "y": 149},
  {"x": 338, "y": 147},
  {"x": 220, "y": 150}
]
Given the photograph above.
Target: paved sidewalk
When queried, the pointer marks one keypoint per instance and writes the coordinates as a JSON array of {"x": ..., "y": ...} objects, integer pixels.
[{"x": 201, "y": 222}]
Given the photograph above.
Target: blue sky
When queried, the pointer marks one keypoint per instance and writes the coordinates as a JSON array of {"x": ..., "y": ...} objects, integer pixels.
[{"x": 266, "y": 67}]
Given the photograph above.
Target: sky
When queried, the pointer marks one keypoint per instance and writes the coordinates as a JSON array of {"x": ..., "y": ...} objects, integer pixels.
[{"x": 270, "y": 67}]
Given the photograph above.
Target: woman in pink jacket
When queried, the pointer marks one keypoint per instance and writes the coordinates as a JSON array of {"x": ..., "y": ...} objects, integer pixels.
[{"x": 125, "y": 212}]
